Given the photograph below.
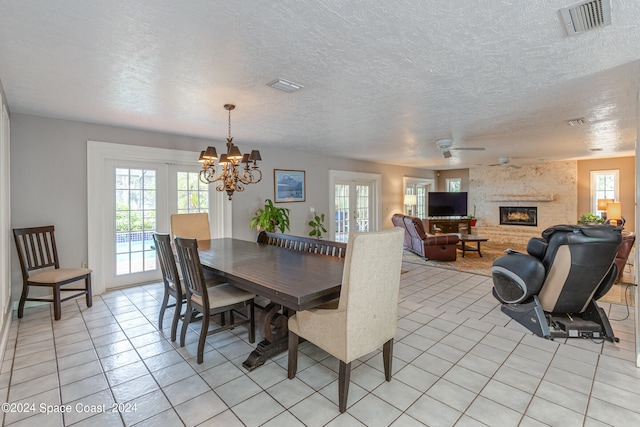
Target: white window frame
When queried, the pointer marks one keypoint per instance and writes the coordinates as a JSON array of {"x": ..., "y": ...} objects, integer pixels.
[{"x": 594, "y": 174}]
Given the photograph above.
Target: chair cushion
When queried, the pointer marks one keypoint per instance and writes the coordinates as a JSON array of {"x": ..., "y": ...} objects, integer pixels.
[
  {"x": 59, "y": 275},
  {"x": 223, "y": 295}
]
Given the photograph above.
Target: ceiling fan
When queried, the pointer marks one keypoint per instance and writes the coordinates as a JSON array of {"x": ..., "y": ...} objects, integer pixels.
[
  {"x": 446, "y": 146},
  {"x": 506, "y": 162}
]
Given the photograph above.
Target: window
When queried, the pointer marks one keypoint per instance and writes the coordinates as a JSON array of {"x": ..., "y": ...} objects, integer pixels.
[
  {"x": 193, "y": 194},
  {"x": 420, "y": 187},
  {"x": 454, "y": 185},
  {"x": 605, "y": 184}
]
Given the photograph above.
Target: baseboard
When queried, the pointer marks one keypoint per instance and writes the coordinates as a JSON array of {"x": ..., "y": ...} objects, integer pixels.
[
  {"x": 4, "y": 336},
  {"x": 28, "y": 304}
]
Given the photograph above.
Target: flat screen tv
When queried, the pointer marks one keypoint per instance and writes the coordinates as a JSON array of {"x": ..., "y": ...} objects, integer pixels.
[{"x": 443, "y": 203}]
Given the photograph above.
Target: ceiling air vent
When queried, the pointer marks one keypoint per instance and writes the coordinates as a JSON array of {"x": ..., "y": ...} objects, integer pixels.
[
  {"x": 576, "y": 122},
  {"x": 285, "y": 85},
  {"x": 586, "y": 15}
]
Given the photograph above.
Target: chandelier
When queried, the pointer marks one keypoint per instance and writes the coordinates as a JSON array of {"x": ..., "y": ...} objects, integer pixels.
[{"x": 232, "y": 175}]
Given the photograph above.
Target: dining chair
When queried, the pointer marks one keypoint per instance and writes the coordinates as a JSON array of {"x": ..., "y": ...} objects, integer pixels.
[
  {"x": 209, "y": 300},
  {"x": 366, "y": 314},
  {"x": 191, "y": 225},
  {"x": 40, "y": 267},
  {"x": 172, "y": 284}
]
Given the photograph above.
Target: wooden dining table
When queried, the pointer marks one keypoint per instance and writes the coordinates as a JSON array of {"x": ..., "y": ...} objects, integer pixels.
[{"x": 291, "y": 280}]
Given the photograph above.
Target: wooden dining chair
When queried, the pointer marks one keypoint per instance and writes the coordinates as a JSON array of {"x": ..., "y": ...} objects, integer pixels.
[
  {"x": 366, "y": 315},
  {"x": 172, "y": 284},
  {"x": 209, "y": 300},
  {"x": 40, "y": 267}
]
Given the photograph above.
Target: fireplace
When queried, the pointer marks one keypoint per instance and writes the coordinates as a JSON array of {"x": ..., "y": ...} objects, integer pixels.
[{"x": 518, "y": 215}]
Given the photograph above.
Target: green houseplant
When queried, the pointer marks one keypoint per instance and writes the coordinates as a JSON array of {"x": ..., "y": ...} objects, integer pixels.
[
  {"x": 590, "y": 219},
  {"x": 317, "y": 225},
  {"x": 472, "y": 218},
  {"x": 270, "y": 217}
]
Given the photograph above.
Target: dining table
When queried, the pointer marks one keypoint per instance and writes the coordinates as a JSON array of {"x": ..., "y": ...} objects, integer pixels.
[{"x": 290, "y": 280}]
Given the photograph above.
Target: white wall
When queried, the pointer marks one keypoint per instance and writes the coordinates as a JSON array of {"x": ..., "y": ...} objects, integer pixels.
[
  {"x": 6, "y": 241},
  {"x": 48, "y": 179}
]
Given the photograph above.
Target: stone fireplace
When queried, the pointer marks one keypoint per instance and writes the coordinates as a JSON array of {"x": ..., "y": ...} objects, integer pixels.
[
  {"x": 549, "y": 186},
  {"x": 519, "y": 215}
]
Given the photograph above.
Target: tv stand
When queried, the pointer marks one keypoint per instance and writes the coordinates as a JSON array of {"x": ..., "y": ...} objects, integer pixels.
[{"x": 447, "y": 225}]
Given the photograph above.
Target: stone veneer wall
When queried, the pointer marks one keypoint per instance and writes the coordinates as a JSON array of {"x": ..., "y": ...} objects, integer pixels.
[{"x": 551, "y": 187}]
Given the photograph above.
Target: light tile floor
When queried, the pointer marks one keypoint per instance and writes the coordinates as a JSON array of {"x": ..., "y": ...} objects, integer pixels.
[{"x": 458, "y": 360}]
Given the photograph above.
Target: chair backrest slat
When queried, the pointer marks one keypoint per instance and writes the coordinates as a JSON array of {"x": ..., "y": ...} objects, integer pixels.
[
  {"x": 192, "y": 273},
  {"x": 167, "y": 262},
  {"x": 304, "y": 244},
  {"x": 36, "y": 248}
]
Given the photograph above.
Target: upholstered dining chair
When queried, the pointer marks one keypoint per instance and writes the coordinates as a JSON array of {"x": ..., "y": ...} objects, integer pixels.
[
  {"x": 40, "y": 267},
  {"x": 209, "y": 300},
  {"x": 192, "y": 225},
  {"x": 366, "y": 314}
]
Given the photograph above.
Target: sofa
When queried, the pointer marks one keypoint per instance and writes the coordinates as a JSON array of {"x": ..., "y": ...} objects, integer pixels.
[{"x": 442, "y": 247}]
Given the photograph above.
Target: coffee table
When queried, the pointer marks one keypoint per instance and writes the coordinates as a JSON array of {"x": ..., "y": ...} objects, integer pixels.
[{"x": 467, "y": 238}]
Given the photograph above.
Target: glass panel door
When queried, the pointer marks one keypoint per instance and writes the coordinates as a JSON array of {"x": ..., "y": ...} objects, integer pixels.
[
  {"x": 135, "y": 213},
  {"x": 193, "y": 194},
  {"x": 353, "y": 207},
  {"x": 136, "y": 209},
  {"x": 362, "y": 206},
  {"x": 342, "y": 212}
]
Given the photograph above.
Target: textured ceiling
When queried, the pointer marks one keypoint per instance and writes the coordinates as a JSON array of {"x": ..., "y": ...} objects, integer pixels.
[{"x": 382, "y": 79}]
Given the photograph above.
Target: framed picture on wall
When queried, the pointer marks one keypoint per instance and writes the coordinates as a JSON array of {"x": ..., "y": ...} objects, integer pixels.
[{"x": 289, "y": 186}]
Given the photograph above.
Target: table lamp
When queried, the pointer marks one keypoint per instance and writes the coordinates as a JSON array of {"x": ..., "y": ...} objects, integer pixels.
[
  {"x": 410, "y": 200},
  {"x": 614, "y": 212},
  {"x": 602, "y": 206}
]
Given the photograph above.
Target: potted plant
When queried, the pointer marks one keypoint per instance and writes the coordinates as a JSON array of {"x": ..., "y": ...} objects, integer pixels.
[
  {"x": 317, "y": 225},
  {"x": 590, "y": 219},
  {"x": 270, "y": 217},
  {"x": 472, "y": 218}
]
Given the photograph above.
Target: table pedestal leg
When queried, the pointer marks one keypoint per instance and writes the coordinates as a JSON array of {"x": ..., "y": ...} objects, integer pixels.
[
  {"x": 263, "y": 351},
  {"x": 275, "y": 330}
]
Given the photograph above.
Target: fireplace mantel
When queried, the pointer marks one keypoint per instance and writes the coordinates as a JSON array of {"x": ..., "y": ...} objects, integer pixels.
[{"x": 521, "y": 198}]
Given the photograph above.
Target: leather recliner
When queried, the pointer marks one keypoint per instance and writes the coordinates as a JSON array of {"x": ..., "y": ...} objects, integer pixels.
[
  {"x": 628, "y": 239},
  {"x": 441, "y": 247},
  {"x": 552, "y": 290}
]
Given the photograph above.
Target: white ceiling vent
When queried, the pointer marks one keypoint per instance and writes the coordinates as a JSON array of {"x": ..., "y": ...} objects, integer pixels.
[
  {"x": 586, "y": 15},
  {"x": 285, "y": 85}
]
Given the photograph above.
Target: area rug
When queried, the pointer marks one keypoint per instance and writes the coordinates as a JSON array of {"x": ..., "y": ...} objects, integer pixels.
[{"x": 473, "y": 263}]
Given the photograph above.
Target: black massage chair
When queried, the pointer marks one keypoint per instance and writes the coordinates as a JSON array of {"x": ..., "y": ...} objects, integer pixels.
[{"x": 552, "y": 290}]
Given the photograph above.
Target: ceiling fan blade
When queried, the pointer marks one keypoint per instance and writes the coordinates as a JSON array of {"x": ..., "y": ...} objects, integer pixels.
[{"x": 468, "y": 148}]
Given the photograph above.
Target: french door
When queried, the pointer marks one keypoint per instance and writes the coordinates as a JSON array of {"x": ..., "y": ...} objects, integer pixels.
[
  {"x": 132, "y": 193},
  {"x": 139, "y": 206},
  {"x": 355, "y": 206}
]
